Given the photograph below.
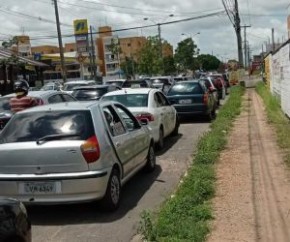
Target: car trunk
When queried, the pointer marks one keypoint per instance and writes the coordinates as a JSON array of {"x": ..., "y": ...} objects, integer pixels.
[
  {"x": 186, "y": 103},
  {"x": 47, "y": 157}
]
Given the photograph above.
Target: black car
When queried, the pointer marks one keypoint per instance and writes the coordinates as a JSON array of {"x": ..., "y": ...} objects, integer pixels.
[
  {"x": 5, "y": 112},
  {"x": 91, "y": 93},
  {"x": 15, "y": 225},
  {"x": 192, "y": 98}
]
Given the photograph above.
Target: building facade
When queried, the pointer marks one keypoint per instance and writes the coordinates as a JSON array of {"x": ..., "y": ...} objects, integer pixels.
[{"x": 109, "y": 58}]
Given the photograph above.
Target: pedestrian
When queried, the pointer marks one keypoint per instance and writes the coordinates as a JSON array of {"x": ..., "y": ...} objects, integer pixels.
[{"x": 21, "y": 101}]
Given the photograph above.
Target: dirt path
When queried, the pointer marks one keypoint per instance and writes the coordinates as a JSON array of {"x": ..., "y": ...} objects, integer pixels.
[{"x": 253, "y": 185}]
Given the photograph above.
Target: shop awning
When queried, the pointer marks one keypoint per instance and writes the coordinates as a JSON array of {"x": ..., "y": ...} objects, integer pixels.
[{"x": 5, "y": 54}]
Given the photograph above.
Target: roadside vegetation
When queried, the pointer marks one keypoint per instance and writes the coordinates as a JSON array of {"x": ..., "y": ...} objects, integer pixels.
[
  {"x": 186, "y": 215},
  {"x": 277, "y": 118}
]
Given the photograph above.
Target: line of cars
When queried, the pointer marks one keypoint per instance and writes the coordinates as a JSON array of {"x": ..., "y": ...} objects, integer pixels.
[{"x": 79, "y": 151}]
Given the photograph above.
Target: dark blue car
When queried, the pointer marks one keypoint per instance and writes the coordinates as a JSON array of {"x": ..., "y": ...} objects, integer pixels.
[{"x": 192, "y": 98}]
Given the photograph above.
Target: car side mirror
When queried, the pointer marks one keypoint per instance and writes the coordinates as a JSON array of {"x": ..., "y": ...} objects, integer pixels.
[{"x": 144, "y": 121}]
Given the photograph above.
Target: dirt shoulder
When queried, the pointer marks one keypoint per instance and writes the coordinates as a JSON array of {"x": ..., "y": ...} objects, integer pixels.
[{"x": 252, "y": 202}]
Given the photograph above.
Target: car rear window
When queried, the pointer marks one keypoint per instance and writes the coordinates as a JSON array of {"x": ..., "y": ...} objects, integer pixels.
[
  {"x": 4, "y": 104},
  {"x": 161, "y": 80},
  {"x": 135, "y": 84},
  {"x": 89, "y": 94},
  {"x": 185, "y": 88},
  {"x": 24, "y": 127},
  {"x": 130, "y": 100},
  {"x": 71, "y": 86}
]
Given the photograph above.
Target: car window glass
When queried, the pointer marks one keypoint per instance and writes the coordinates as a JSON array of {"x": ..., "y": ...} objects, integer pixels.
[
  {"x": 129, "y": 100},
  {"x": 163, "y": 99},
  {"x": 130, "y": 122},
  {"x": 186, "y": 88},
  {"x": 4, "y": 104},
  {"x": 25, "y": 127},
  {"x": 68, "y": 98},
  {"x": 113, "y": 121},
  {"x": 55, "y": 99},
  {"x": 158, "y": 100}
]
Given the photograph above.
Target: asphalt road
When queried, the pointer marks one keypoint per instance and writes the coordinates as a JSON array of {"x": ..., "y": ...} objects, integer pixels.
[{"x": 86, "y": 223}]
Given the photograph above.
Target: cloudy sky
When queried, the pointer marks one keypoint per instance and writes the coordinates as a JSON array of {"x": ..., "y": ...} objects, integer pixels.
[{"x": 36, "y": 18}]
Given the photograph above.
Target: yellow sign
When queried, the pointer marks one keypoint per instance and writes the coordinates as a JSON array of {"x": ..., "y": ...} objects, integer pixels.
[{"x": 80, "y": 26}]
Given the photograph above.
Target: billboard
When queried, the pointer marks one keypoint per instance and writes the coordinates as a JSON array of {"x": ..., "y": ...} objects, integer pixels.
[
  {"x": 81, "y": 26},
  {"x": 81, "y": 36}
]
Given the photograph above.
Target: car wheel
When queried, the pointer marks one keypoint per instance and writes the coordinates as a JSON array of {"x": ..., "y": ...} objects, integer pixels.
[
  {"x": 111, "y": 200},
  {"x": 160, "y": 143},
  {"x": 175, "y": 131},
  {"x": 151, "y": 160}
]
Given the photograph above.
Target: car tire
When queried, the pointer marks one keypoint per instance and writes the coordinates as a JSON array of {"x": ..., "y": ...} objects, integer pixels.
[
  {"x": 151, "y": 160},
  {"x": 160, "y": 143},
  {"x": 111, "y": 200},
  {"x": 175, "y": 131},
  {"x": 211, "y": 116}
]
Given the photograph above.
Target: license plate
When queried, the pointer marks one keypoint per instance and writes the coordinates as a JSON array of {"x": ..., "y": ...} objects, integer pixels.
[
  {"x": 185, "y": 101},
  {"x": 39, "y": 187}
]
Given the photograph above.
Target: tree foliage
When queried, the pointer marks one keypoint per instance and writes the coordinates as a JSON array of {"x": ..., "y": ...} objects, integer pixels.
[
  {"x": 184, "y": 54},
  {"x": 169, "y": 65},
  {"x": 150, "y": 62},
  {"x": 129, "y": 66},
  {"x": 208, "y": 62}
]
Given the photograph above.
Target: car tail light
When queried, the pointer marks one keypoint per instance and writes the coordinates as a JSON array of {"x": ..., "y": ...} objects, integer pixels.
[
  {"x": 40, "y": 102},
  {"x": 148, "y": 116},
  {"x": 91, "y": 149},
  {"x": 205, "y": 98}
]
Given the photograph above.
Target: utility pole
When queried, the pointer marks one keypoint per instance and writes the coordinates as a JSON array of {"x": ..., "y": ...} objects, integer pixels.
[
  {"x": 92, "y": 54},
  {"x": 273, "y": 39},
  {"x": 238, "y": 33},
  {"x": 245, "y": 43},
  {"x": 160, "y": 41},
  {"x": 60, "y": 41}
]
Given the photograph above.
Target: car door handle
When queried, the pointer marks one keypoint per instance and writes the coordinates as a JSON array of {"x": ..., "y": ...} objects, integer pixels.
[{"x": 118, "y": 144}]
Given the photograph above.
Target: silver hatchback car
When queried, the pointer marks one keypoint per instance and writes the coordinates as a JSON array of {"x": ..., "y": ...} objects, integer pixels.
[{"x": 73, "y": 152}]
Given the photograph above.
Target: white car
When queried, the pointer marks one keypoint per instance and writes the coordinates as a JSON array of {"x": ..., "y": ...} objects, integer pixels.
[
  {"x": 70, "y": 85},
  {"x": 151, "y": 104}
]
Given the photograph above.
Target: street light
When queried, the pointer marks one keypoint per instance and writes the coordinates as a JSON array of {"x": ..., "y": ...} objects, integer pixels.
[{"x": 191, "y": 35}]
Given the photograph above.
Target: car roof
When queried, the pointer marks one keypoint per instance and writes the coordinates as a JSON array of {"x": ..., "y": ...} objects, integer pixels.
[
  {"x": 67, "y": 106},
  {"x": 39, "y": 94},
  {"x": 189, "y": 81},
  {"x": 79, "y": 81},
  {"x": 91, "y": 87},
  {"x": 130, "y": 91}
]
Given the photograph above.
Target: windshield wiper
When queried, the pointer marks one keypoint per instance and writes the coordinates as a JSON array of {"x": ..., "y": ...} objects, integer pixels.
[{"x": 55, "y": 137}]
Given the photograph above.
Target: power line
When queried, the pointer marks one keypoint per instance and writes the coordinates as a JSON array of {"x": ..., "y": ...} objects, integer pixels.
[
  {"x": 20, "y": 14},
  {"x": 140, "y": 27}
]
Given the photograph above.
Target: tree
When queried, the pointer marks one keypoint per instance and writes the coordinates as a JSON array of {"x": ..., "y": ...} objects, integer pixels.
[
  {"x": 208, "y": 62},
  {"x": 169, "y": 65},
  {"x": 150, "y": 62},
  {"x": 184, "y": 55},
  {"x": 129, "y": 66}
]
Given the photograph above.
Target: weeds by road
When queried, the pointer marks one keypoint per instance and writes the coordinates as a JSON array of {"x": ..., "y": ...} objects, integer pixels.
[
  {"x": 186, "y": 216},
  {"x": 277, "y": 118}
]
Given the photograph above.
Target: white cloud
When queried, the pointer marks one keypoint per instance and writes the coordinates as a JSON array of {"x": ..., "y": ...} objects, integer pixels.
[{"x": 216, "y": 33}]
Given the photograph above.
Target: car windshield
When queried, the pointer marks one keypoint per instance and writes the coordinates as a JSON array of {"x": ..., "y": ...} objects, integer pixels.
[
  {"x": 117, "y": 83},
  {"x": 25, "y": 127},
  {"x": 71, "y": 86},
  {"x": 161, "y": 80},
  {"x": 47, "y": 88},
  {"x": 89, "y": 94},
  {"x": 185, "y": 88},
  {"x": 4, "y": 104},
  {"x": 130, "y": 100},
  {"x": 135, "y": 84}
]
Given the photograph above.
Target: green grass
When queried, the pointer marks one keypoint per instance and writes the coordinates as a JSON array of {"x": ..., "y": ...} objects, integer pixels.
[
  {"x": 186, "y": 216},
  {"x": 277, "y": 118}
]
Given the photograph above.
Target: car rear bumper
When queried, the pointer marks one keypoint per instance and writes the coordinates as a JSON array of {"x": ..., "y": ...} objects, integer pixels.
[
  {"x": 70, "y": 187},
  {"x": 191, "y": 110}
]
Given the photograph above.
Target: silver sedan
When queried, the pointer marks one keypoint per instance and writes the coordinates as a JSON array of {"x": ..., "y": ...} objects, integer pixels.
[{"x": 73, "y": 152}]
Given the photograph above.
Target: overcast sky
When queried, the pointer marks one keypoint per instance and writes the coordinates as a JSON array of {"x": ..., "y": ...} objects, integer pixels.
[{"x": 37, "y": 19}]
